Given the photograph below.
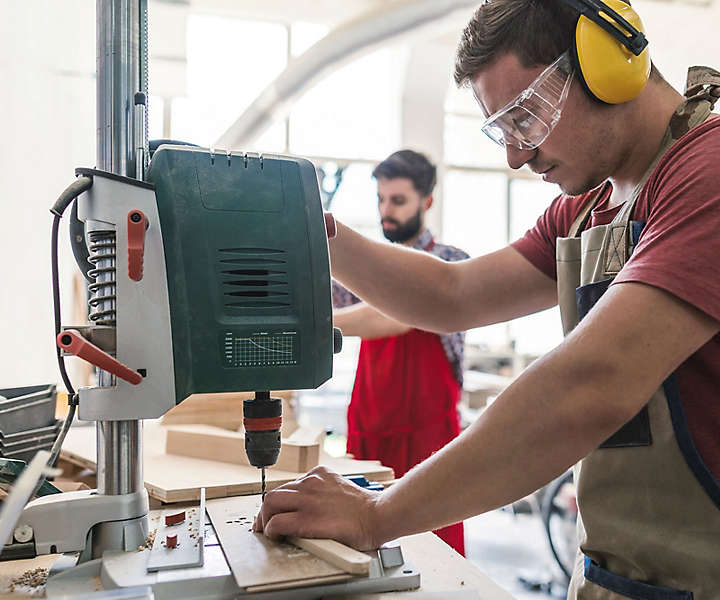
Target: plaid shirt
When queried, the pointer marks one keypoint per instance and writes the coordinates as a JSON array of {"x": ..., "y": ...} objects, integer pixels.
[{"x": 453, "y": 343}]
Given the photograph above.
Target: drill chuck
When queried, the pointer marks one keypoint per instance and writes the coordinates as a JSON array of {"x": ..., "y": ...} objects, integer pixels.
[{"x": 262, "y": 418}]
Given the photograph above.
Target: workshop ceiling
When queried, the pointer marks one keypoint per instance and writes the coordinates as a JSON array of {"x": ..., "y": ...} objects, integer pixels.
[{"x": 330, "y": 12}]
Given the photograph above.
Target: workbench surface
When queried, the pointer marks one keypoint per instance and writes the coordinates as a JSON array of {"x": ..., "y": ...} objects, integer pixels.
[{"x": 442, "y": 571}]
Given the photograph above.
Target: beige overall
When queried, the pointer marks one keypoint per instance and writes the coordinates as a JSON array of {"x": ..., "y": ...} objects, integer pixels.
[{"x": 649, "y": 509}]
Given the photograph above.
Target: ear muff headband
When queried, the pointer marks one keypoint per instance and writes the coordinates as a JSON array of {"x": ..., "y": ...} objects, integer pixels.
[{"x": 610, "y": 50}]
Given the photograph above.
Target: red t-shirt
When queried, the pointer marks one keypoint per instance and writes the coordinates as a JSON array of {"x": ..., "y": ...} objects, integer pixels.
[{"x": 678, "y": 251}]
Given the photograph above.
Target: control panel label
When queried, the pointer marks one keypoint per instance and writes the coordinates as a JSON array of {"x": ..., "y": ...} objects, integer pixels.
[{"x": 260, "y": 348}]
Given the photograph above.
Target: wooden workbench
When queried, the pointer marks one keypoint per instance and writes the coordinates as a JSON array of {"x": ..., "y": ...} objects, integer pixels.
[{"x": 443, "y": 572}]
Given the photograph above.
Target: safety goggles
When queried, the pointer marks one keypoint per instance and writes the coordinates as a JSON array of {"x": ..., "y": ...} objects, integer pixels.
[{"x": 527, "y": 120}]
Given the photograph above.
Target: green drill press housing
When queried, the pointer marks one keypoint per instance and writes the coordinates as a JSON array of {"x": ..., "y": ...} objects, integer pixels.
[{"x": 248, "y": 270}]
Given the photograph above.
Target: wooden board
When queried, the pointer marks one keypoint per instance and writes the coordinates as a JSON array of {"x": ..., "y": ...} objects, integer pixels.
[
  {"x": 171, "y": 478},
  {"x": 258, "y": 563},
  {"x": 214, "y": 443}
]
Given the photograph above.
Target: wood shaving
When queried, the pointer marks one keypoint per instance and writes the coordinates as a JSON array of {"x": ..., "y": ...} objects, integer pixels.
[
  {"x": 34, "y": 578},
  {"x": 150, "y": 539}
]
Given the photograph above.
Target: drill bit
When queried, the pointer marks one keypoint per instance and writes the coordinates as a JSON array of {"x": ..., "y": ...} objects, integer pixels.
[{"x": 262, "y": 486}]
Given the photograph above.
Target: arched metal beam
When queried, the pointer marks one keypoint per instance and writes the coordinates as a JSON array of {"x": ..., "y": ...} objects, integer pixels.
[{"x": 348, "y": 41}]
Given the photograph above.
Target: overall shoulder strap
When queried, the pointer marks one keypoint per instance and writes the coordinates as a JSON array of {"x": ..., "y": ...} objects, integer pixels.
[
  {"x": 583, "y": 217},
  {"x": 702, "y": 90}
]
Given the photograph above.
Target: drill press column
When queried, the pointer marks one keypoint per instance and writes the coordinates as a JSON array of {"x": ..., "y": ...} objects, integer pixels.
[{"x": 121, "y": 72}]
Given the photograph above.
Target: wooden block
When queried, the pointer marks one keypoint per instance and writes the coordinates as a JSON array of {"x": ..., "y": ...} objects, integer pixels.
[
  {"x": 65, "y": 485},
  {"x": 337, "y": 554},
  {"x": 308, "y": 435},
  {"x": 213, "y": 443}
]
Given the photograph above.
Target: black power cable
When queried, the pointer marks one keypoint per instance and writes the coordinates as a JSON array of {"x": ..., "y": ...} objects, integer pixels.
[{"x": 79, "y": 186}]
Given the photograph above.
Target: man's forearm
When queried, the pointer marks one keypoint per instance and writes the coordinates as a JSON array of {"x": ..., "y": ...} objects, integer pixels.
[
  {"x": 366, "y": 322},
  {"x": 559, "y": 410},
  {"x": 482, "y": 470},
  {"x": 433, "y": 295}
]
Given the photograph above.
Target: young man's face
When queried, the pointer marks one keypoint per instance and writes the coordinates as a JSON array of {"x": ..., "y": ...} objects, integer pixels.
[
  {"x": 580, "y": 152},
  {"x": 401, "y": 208}
]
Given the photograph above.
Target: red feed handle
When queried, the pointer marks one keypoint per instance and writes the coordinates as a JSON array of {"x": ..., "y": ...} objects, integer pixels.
[
  {"x": 330, "y": 225},
  {"x": 137, "y": 223},
  {"x": 71, "y": 341}
]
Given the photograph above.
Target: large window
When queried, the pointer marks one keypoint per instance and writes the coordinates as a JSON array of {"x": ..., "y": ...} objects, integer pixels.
[
  {"x": 230, "y": 61},
  {"x": 354, "y": 112}
]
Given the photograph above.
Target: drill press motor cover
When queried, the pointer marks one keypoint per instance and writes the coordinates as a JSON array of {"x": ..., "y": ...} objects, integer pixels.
[{"x": 247, "y": 270}]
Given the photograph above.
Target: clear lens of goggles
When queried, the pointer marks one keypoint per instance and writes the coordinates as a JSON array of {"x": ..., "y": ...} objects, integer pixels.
[{"x": 526, "y": 122}]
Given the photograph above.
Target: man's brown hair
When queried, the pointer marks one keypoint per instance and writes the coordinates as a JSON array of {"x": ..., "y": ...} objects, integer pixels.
[
  {"x": 537, "y": 31},
  {"x": 411, "y": 165}
]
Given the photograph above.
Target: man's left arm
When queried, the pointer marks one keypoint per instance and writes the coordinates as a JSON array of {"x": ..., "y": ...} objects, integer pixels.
[
  {"x": 364, "y": 321},
  {"x": 559, "y": 410}
]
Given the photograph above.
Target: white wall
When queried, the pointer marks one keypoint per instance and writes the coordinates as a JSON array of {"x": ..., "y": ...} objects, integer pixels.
[
  {"x": 681, "y": 35},
  {"x": 47, "y": 122}
]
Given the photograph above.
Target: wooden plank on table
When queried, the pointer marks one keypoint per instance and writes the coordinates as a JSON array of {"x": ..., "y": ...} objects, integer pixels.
[
  {"x": 214, "y": 443},
  {"x": 255, "y": 560},
  {"x": 172, "y": 478},
  {"x": 342, "y": 556}
]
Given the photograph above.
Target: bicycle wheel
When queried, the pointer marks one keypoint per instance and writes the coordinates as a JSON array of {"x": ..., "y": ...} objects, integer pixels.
[{"x": 559, "y": 515}]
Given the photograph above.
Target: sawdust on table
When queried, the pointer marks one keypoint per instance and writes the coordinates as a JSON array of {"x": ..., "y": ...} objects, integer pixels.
[
  {"x": 149, "y": 540},
  {"x": 33, "y": 581}
]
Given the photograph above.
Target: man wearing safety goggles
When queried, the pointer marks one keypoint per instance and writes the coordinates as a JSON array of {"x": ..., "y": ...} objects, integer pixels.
[
  {"x": 629, "y": 253},
  {"x": 527, "y": 120}
]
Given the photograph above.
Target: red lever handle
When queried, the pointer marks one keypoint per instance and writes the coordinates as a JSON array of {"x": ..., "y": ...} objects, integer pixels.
[
  {"x": 71, "y": 341},
  {"x": 330, "y": 225},
  {"x": 137, "y": 223}
]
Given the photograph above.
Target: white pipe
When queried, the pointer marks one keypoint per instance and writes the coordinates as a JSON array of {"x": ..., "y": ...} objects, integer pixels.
[{"x": 350, "y": 40}]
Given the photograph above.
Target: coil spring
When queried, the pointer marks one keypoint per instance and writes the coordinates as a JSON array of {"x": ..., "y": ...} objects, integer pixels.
[{"x": 102, "y": 290}]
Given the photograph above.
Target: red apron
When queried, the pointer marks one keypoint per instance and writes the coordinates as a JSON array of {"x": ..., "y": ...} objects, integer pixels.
[{"x": 404, "y": 406}]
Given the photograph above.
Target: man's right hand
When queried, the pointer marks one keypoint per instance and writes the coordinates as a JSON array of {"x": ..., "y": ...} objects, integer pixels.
[{"x": 322, "y": 504}]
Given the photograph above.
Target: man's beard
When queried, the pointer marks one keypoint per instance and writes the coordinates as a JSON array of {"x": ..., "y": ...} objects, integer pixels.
[{"x": 403, "y": 231}]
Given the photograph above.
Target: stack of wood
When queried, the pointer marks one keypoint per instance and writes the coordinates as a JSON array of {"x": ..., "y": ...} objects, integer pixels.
[
  {"x": 300, "y": 451},
  {"x": 226, "y": 411}
]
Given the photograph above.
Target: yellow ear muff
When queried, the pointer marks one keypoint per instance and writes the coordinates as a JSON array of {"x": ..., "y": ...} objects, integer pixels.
[{"x": 611, "y": 73}]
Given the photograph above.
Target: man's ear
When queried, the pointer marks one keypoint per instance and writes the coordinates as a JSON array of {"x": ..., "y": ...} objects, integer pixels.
[{"x": 427, "y": 202}]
